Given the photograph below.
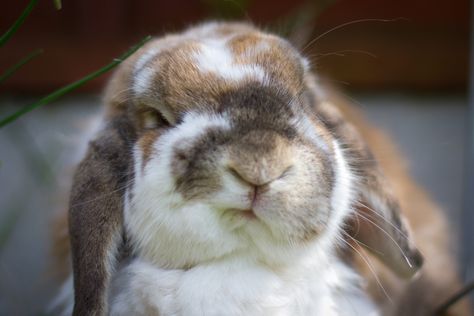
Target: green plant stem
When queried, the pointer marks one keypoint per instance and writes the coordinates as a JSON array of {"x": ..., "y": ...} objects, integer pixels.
[
  {"x": 21, "y": 19},
  {"x": 10, "y": 71},
  {"x": 70, "y": 87}
]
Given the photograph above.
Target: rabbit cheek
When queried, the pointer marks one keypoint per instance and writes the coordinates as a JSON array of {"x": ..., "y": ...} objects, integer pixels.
[
  {"x": 299, "y": 205},
  {"x": 194, "y": 178}
]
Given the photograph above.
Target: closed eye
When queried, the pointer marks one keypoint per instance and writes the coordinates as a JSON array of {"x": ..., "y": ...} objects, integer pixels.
[{"x": 152, "y": 118}]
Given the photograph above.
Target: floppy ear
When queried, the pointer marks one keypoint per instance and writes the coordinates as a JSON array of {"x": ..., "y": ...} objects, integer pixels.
[
  {"x": 377, "y": 222},
  {"x": 96, "y": 215}
]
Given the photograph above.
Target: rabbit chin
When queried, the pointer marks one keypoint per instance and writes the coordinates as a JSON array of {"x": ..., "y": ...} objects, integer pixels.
[{"x": 173, "y": 233}]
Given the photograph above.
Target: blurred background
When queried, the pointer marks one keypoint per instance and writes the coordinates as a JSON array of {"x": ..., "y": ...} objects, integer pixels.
[{"x": 405, "y": 63}]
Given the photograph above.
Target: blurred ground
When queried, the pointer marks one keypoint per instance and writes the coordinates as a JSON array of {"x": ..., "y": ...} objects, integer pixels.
[{"x": 37, "y": 151}]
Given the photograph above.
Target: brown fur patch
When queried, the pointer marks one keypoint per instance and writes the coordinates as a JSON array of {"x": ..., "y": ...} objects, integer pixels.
[
  {"x": 145, "y": 143},
  {"x": 245, "y": 43},
  {"x": 280, "y": 62}
]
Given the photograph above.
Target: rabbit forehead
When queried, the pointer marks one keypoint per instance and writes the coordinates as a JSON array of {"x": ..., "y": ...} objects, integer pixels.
[{"x": 193, "y": 69}]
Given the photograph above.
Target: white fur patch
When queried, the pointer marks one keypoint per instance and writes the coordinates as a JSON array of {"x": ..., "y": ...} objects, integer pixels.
[
  {"x": 343, "y": 194},
  {"x": 145, "y": 58},
  {"x": 204, "y": 30},
  {"x": 215, "y": 57},
  {"x": 306, "y": 64},
  {"x": 142, "y": 81}
]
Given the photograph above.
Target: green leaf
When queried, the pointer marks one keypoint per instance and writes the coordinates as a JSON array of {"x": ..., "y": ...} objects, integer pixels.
[
  {"x": 10, "y": 71},
  {"x": 21, "y": 19},
  {"x": 70, "y": 87}
]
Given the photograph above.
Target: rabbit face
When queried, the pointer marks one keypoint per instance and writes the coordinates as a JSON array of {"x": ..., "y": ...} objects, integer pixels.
[{"x": 241, "y": 164}]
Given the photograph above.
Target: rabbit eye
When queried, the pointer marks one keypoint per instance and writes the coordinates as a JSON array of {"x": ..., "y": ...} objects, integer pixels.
[{"x": 152, "y": 118}]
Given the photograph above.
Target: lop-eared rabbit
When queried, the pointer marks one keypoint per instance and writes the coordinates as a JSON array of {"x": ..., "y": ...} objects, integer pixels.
[{"x": 227, "y": 180}]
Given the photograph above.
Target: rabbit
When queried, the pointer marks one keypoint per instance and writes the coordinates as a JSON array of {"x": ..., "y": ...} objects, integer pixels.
[{"x": 228, "y": 180}]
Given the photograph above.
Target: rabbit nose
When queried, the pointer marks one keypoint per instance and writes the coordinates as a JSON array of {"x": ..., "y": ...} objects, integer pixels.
[
  {"x": 244, "y": 176},
  {"x": 259, "y": 158},
  {"x": 257, "y": 177}
]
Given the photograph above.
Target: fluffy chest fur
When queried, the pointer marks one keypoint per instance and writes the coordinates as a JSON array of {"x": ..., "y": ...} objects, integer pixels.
[{"x": 236, "y": 286}]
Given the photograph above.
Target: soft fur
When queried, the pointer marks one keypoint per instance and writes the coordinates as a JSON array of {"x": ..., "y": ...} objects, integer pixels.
[{"x": 224, "y": 182}]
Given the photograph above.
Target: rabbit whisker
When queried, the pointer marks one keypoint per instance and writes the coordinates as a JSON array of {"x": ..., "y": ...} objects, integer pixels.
[
  {"x": 344, "y": 25},
  {"x": 371, "y": 268},
  {"x": 361, "y": 243},
  {"x": 389, "y": 236},
  {"x": 383, "y": 218}
]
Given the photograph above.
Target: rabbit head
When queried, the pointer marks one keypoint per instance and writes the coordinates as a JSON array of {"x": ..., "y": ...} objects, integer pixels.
[
  {"x": 235, "y": 153},
  {"x": 229, "y": 155}
]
